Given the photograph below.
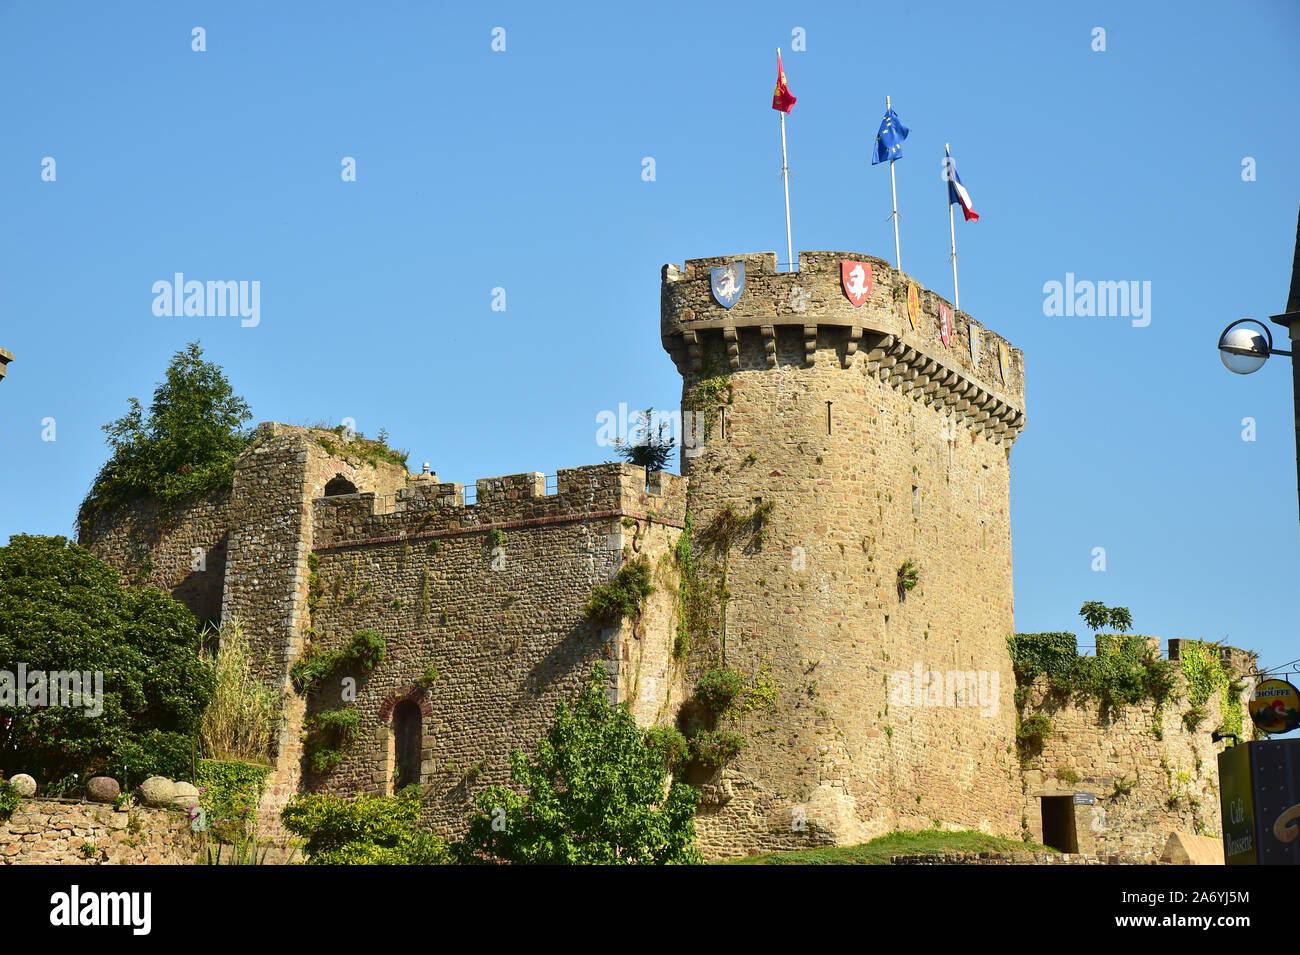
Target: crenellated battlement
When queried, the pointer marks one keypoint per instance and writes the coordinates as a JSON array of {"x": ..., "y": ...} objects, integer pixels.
[
  {"x": 430, "y": 509},
  {"x": 904, "y": 348}
]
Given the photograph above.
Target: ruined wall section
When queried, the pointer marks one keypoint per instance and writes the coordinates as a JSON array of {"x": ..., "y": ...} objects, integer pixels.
[
  {"x": 481, "y": 608},
  {"x": 1140, "y": 772},
  {"x": 876, "y": 445},
  {"x": 180, "y": 549}
]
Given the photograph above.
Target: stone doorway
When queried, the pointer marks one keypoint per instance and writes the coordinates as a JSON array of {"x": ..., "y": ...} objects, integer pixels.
[{"x": 1058, "y": 823}]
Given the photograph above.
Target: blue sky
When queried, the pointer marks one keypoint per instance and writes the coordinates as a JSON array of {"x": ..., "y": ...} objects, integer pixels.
[{"x": 522, "y": 170}]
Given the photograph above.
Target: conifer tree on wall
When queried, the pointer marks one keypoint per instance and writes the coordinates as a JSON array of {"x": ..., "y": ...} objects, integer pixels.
[
  {"x": 62, "y": 610},
  {"x": 185, "y": 446}
]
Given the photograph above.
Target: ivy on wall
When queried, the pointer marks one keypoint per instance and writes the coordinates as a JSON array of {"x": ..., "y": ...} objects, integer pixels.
[
  {"x": 229, "y": 791},
  {"x": 1206, "y": 674}
]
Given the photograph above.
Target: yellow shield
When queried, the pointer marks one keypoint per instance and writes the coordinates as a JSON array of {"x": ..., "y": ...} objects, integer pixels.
[{"x": 913, "y": 304}]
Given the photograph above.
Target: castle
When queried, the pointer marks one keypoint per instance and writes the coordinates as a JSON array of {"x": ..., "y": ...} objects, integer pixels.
[{"x": 839, "y": 535}]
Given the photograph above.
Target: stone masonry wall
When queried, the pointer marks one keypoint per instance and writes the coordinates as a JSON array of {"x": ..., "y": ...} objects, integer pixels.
[
  {"x": 889, "y": 473},
  {"x": 267, "y": 575},
  {"x": 1147, "y": 773},
  {"x": 486, "y": 635},
  {"x": 64, "y": 832},
  {"x": 181, "y": 550}
]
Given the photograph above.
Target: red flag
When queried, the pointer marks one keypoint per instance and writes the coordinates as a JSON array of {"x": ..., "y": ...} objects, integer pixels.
[{"x": 782, "y": 98}]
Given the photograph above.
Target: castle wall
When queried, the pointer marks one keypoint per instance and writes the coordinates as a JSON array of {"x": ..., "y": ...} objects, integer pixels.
[
  {"x": 486, "y": 632},
  {"x": 1146, "y": 771},
  {"x": 914, "y": 466},
  {"x": 181, "y": 550}
]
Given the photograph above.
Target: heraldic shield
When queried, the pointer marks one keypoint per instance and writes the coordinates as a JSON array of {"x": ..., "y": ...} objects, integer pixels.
[
  {"x": 945, "y": 325},
  {"x": 975, "y": 346},
  {"x": 856, "y": 279},
  {"x": 727, "y": 282}
]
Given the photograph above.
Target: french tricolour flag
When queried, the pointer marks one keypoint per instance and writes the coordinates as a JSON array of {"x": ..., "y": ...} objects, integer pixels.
[{"x": 957, "y": 192}]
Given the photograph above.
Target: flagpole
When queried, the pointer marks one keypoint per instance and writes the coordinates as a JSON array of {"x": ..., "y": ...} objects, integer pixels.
[
  {"x": 785, "y": 174},
  {"x": 952, "y": 228},
  {"x": 893, "y": 185}
]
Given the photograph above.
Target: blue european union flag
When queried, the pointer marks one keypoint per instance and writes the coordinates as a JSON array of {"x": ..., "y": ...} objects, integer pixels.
[{"x": 889, "y": 141}]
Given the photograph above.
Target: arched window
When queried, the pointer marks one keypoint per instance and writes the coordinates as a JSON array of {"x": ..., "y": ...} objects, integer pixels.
[
  {"x": 408, "y": 741},
  {"x": 339, "y": 485}
]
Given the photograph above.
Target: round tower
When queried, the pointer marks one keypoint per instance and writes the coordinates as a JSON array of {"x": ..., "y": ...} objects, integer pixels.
[{"x": 848, "y": 455}]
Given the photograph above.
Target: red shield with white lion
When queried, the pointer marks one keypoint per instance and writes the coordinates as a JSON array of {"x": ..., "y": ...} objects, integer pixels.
[{"x": 856, "y": 279}]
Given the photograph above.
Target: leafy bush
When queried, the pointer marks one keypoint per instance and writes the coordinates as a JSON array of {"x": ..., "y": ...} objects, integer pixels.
[
  {"x": 593, "y": 792},
  {"x": 366, "y": 649},
  {"x": 622, "y": 597},
  {"x": 714, "y": 748},
  {"x": 63, "y": 609},
  {"x": 8, "y": 800},
  {"x": 185, "y": 447},
  {"x": 669, "y": 741},
  {"x": 1126, "y": 670},
  {"x": 329, "y": 731},
  {"x": 1098, "y": 617},
  {"x": 366, "y": 830},
  {"x": 717, "y": 688},
  {"x": 229, "y": 791}
]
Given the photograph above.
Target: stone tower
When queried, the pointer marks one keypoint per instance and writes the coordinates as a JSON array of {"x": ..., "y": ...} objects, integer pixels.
[{"x": 876, "y": 442}]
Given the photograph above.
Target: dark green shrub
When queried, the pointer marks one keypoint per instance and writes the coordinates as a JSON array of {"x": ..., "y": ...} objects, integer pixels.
[
  {"x": 592, "y": 792},
  {"x": 717, "y": 688},
  {"x": 366, "y": 830},
  {"x": 229, "y": 791},
  {"x": 63, "y": 609},
  {"x": 623, "y": 596},
  {"x": 714, "y": 748}
]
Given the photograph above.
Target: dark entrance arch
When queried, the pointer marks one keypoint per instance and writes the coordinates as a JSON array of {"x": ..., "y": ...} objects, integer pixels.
[{"x": 339, "y": 485}]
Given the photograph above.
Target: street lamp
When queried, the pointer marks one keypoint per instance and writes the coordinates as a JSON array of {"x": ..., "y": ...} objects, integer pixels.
[
  {"x": 1246, "y": 344},
  {"x": 1244, "y": 349}
]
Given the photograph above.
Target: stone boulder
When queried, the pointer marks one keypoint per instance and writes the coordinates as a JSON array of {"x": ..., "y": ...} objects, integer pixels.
[
  {"x": 103, "y": 789},
  {"x": 157, "y": 791},
  {"x": 186, "y": 796},
  {"x": 23, "y": 785}
]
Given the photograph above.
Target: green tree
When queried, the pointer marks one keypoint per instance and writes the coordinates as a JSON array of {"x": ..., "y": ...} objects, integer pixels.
[
  {"x": 184, "y": 447},
  {"x": 653, "y": 449},
  {"x": 63, "y": 609},
  {"x": 597, "y": 790},
  {"x": 1099, "y": 617},
  {"x": 366, "y": 830}
]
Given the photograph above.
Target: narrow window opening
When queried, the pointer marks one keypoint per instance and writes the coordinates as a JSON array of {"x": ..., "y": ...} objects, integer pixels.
[{"x": 408, "y": 740}]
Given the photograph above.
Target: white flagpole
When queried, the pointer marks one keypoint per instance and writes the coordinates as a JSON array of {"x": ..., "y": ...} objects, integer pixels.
[
  {"x": 785, "y": 174},
  {"x": 952, "y": 228},
  {"x": 893, "y": 184}
]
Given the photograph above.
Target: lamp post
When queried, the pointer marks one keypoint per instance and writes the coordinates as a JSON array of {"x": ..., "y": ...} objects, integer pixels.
[{"x": 1246, "y": 344}]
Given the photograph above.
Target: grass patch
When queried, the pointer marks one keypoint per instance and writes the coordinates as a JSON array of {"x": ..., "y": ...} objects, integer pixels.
[{"x": 878, "y": 851}]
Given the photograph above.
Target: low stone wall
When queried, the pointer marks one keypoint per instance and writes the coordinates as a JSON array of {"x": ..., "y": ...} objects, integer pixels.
[
  {"x": 1015, "y": 858},
  {"x": 66, "y": 832}
]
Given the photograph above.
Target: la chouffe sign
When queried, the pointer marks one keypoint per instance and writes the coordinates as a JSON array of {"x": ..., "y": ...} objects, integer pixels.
[{"x": 1276, "y": 707}]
